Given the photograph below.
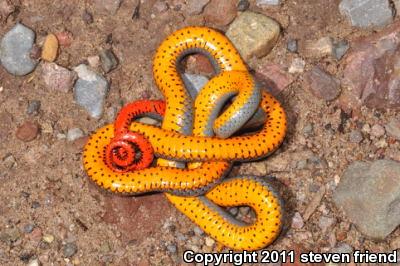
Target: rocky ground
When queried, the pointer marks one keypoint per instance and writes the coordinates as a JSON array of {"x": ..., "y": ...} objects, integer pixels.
[{"x": 69, "y": 66}]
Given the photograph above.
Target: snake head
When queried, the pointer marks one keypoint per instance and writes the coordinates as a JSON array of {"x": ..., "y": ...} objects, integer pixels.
[{"x": 129, "y": 151}]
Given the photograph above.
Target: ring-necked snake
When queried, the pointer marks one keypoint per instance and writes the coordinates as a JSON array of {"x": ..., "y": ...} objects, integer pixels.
[{"x": 195, "y": 146}]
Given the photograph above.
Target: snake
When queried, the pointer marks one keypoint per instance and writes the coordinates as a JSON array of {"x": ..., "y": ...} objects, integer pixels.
[{"x": 196, "y": 143}]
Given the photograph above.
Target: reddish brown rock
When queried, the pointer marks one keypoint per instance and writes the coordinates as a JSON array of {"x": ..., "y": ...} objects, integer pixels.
[
  {"x": 27, "y": 131},
  {"x": 137, "y": 217},
  {"x": 65, "y": 38},
  {"x": 199, "y": 64},
  {"x": 273, "y": 77},
  {"x": 322, "y": 84},
  {"x": 220, "y": 12},
  {"x": 372, "y": 73}
]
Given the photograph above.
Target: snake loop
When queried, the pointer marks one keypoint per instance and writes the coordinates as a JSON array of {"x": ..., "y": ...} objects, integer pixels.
[{"x": 196, "y": 143}]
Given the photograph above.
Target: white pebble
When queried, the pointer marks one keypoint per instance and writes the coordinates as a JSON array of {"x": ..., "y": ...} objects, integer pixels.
[{"x": 74, "y": 133}]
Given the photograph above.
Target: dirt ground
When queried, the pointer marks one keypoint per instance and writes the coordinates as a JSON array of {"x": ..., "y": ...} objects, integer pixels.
[{"x": 46, "y": 186}]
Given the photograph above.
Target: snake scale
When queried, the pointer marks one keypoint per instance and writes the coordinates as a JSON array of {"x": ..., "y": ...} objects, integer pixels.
[{"x": 196, "y": 144}]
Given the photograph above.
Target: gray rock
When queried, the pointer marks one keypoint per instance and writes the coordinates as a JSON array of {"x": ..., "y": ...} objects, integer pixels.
[
  {"x": 69, "y": 250},
  {"x": 297, "y": 221},
  {"x": 74, "y": 133},
  {"x": 15, "y": 48},
  {"x": 234, "y": 211},
  {"x": 369, "y": 194},
  {"x": 172, "y": 248},
  {"x": 322, "y": 84},
  {"x": 108, "y": 60},
  {"x": 340, "y": 48},
  {"x": 393, "y": 128},
  {"x": 90, "y": 91},
  {"x": 308, "y": 130},
  {"x": 366, "y": 13},
  {"x": 33, "y": 107},
  {"x": 28, "y": 228},
  {"x": 355, "y": 136},
  {"x": 243, "y": 5},
  {"x": 195, "y": 7},
  {"x": 268, "y": 2},
  {"x": 292, "y": 46}
]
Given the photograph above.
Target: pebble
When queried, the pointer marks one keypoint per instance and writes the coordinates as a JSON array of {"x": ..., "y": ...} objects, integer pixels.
[
  {"x": 87, "y": 17},
  {"x": 50, "y": 48},
  {"x": 301, "y": 164},
  {"x": 220, "y": 12},
  {"x": 297, "y": 66},
  {"x": 65, "y": 38},
  {"x": 58, "y": 78},
  {"x": 381, "y": 143},
  {"x": 107, "y": 6},
  {"x": 367, "y": 13},
  {"x": 377, "y": 131},
  {"x": 198, "y": 231},
  {"x": 48, "y": 238},
  {"x": 9, "y": 161},
  {"x": 33, "y": 107},
  {"x": 172, "y": 248},
  {"x": 209, "y": 242},
  {"x": 28, "y": 228},
  {"x": 243, "y": 5},
  {"x": 74, "y": 133},
  {"x": 34, "y": 262},
  {"x": 35, "y": 205},
  {"x": 234, "y": 211},
  {"x": 69, "y": 250},
  {"x": 320, "y": 48},
  {"x": 261, "y": 3},
  {"x": 244, "y": 210},
  {"x": 195, "y": 7},
  {"x": 253, "y": 34},
  {"x": 292, "y": 45},
  {"x": 368, "y": 193},
  {"x": 90, "y": 91},
  {"x": 15, "y": 48},
  {"x": 393, "y": 128},
  {"x": 297, "y": 221},
  {"x": 355, "y": 136},
  {"x": 322, "y": 84},
  {"x": 27, "y": 131},
  {"x": 340, "y": 48},
  {"x": 108, "y": 60},
  {"x": 94, "y": 61},
  {"x": 274, "y": 77},
  {"x": 325, "y": 223},
  {"x": 308, "y": 130}
]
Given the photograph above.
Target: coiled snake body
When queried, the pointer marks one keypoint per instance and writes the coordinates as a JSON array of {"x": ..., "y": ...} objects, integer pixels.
[{"x": 195, "y": 145}]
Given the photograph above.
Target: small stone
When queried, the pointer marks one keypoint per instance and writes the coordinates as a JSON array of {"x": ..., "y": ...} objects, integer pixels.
[
  {"x": 342, "y": 248},
  {"x": 393, "y": 128},
  {"x": 297, "y": 66},
  {"x": 87, "y": 17},
  {"x": 27, "y": 131},
  {"x": 209, "y": 242},
  {"x": 15, "y": 48},
  {"x": 381, "y": 143},
  {"x": 36, "y": 52},
  {"x": 273, "y": 77},
  {"x": 198, "y": 231},
  {"x": 74, "y": 133},
  {"x": 253, "y": 34},
  {"x": 368, "y": 193},
  {"x": 57, "y": 77},
  {"x": 243, "y": 5},
  {"x": 50, "y": 48},
  {"x": 367, "y": 13},
  {"x": 148, "y": 121},
  {"x": 34, "y": 262},
  {"x": 292, "y": 46},
  {"x": 65, "y": 38},
  {"x": 33, "y": 107},
  {"x": 244, "y": 210},
  {"x": 366, "y": 128},
  {"x": 90, "y": 90},
  {"x": 320, "y": 48},
  {"x": 28, "y": 228},
  {"x": 325, "y": 223},
  {"x": 107, "y": 6},
  {"x": 301, "y": 165},
  {"x": 340, "y": 49},
  {"x": 261, "y": 3},
  {"x": 322, "y": 84},
  {"x": 48, "y": 238},
  {"x": 220, "y": 12},
  {"x": 355, "y": 136},
  {"x": 69, "y": 250},
  {"x": 108, "y": 60},
  {"x": 35, "y": 205},
  {"x": 308, "y": 130},
  {"x": 297, "y": 221},
  {"x": 94, "y": 61},
  {"x": 172, "y": 248},
  {"x": 199, "y": 64},
  {"x": 377, "y": 131},
  {"x": 9, "y": 161},
  {"x": 234, "y": 211}
]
